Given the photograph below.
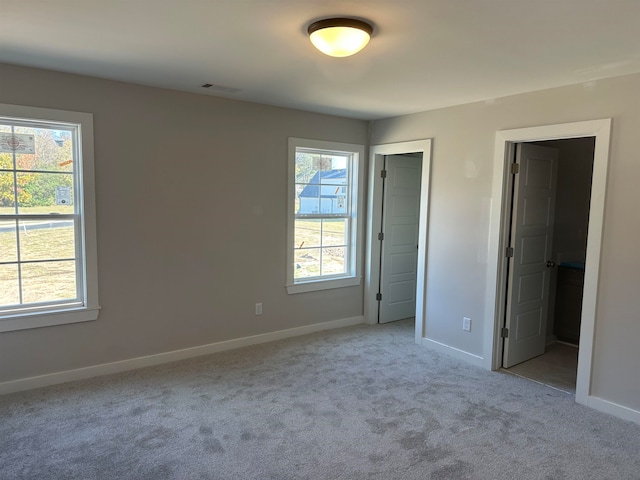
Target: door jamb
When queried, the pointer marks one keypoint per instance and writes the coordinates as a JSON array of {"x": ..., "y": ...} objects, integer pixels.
[
  {"x": 374, "y": 207},
  {"x": 496, "y": 277}
]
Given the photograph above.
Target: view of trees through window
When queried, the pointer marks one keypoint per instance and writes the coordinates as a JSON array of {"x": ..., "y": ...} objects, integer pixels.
[{"x": 37, "y": 214}]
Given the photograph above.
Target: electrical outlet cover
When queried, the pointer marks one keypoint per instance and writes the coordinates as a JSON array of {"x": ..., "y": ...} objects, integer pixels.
[{"x": 466, "y": 324}]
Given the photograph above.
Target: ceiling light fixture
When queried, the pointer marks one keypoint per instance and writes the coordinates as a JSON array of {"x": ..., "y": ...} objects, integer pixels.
[{"x": 340, "y": 37}]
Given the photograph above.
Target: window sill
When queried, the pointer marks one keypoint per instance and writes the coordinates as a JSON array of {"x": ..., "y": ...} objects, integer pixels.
[
  {"x": 315, "y": 285},
  {"x": 26, "y": 321}
]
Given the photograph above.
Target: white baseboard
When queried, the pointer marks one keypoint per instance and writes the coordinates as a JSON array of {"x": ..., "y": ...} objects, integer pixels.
[
  {"x": 166, "y": 357},
  {"x": 455, "y": 352},
  {"x": 614, "y": 409}
]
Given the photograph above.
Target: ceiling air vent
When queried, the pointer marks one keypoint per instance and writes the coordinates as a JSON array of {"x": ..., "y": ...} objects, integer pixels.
[{"x": 220, "y": 88}]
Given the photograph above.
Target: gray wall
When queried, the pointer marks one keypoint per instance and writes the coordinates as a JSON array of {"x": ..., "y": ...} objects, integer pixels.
[
  {"x": 191, "y": 221},
  {"x": 462, "y": 162}
]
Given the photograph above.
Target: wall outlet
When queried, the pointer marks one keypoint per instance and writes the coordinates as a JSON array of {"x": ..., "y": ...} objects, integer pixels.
[
  {"x": 466, "y": 324},
  {"x": 258, "y": 309}
]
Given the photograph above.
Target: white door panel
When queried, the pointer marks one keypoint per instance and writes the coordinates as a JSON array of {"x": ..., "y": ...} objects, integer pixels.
[
  {"x": 535, "y": 211},
  {"x": 534, "y": 194},
  {"x": 404, "y": 206},
  {"x": 528, "y": 325},
  {"x": 401, "y": 292},
  {"x": 531, "y": 288},
  {"x": 401, "y": 207},
  {"x": 403, "y": 263},
  {"x": 402, "y": 235},
  {"x": 405, "y": 175},
  {"x": 533, "y": 250}
]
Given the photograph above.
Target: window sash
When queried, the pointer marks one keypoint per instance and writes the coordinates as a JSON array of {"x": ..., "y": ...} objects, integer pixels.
[
  {"x": 349, "y": 157},
  {"x": 320, "y": 216},
  {"x": 46, "y": 306},
  {"x": 347, "y": 215},
  {"x": 322, "y": 247},
  {"x": 79, "y": 298}
]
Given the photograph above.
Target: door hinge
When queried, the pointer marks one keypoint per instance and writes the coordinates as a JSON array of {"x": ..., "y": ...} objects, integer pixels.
[
  {"x": 381, "y": 236},
  {"x": 378, "y": 296},
  {"x": 515, "y": 168},
  {"x": 383, "y": 173},
  {"x": 509, "y": 252},
  {"x": 504, "y": 333}
]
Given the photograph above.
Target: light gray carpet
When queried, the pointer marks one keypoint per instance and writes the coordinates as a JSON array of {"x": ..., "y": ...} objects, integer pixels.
[{"x": 357, "y": 403}]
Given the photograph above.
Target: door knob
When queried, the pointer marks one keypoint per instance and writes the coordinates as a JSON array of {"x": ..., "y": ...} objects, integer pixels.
[{"x": 551, "y": 264}]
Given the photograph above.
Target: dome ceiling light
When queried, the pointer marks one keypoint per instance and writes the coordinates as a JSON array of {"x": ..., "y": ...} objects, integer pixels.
[{"x": 340, "y": 37}]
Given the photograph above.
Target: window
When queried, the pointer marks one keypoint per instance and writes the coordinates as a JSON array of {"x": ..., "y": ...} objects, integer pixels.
[
  {"x": 47, "y": 218},
  {"x": 324, "y": 225}
]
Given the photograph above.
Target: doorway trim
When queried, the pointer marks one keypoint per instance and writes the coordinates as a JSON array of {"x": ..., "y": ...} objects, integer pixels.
[
  {"x": 499, "y": 230},
  {"x": 374, "y": 207}
]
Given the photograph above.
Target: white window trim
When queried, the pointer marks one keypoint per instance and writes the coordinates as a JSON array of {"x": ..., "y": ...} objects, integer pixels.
[
  {"x": 355, "y": 278},
  {"x": 21, "y": 320}
]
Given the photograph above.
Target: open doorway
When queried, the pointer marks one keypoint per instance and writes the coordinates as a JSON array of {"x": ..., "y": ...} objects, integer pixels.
[
  {"x": 500, "y": 231},
  {"x": 550, "y": 204},
  {"x": 413, "y": 152}
]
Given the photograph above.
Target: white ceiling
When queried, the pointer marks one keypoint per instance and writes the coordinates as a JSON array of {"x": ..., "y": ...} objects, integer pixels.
[{"x": 424, "y": 54}]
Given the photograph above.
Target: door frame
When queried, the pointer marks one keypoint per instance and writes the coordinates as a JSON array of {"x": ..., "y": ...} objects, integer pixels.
[
  {"x": 500, "y": 228},
  {"x": 374, "y": 207}
]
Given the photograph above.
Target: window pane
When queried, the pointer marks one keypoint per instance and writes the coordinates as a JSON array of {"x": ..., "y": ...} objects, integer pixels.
[
  {"x": 335, "y": 176},
  {"x": 10, "y": 291},
  {"x": 46, "y": 281},
  {"x": 47, "y": 240},
  {"x": 320, "y": 197},
  {"x": 8, "y": 242},
  {"x": 307, "y": 167},
  {"x": 53, "y": 150},
  {"x": 6, "y": 161},
  {"x": 7, "y": 193},
  {"x": 307, "y": 199},
  {"x": 307, "y": 233},
  {"x": 45, "y": 193},
  {"x": 321, "y": 183},
  {"x": 307, "y": 263},
  {"x": 335, "y": 231},
  {"x": 333, "y": 260}
]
